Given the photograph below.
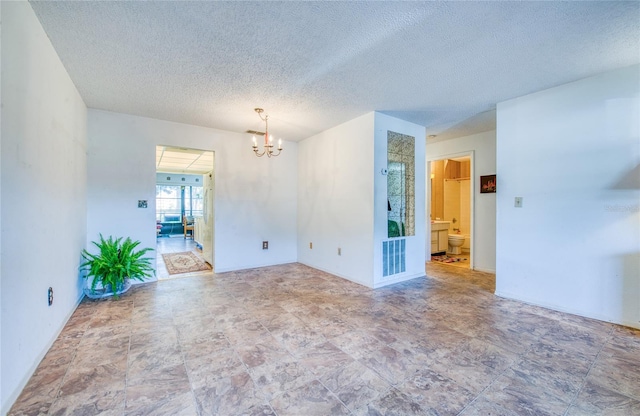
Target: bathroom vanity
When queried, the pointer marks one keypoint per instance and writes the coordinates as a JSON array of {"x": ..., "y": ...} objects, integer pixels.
[{"x": 439, "y": 236}]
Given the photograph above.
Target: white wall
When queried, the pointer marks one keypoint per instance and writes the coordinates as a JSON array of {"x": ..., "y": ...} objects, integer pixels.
[
  {"x": 255, "y": 199},
  {"x": 342, "y": 200},
  {"x": 335, "y": 195},
  {"x": 415, "y": 249},
  {"x": 43, "y": 195},
  {"x": 483, "y": 147},
  {"x": 2, "y": 404},
  {"x": 573, "y": 154}
]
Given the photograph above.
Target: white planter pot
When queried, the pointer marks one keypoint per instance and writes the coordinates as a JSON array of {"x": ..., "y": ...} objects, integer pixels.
[{"x": 104, "y": 292}]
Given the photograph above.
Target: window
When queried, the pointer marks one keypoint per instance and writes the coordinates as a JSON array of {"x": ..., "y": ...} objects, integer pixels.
[
  {"x": 193, "y": 202},
  {"x": 172, "y": 202}
]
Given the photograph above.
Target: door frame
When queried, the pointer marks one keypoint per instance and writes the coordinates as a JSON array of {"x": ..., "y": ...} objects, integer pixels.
[{"x": 472, "y": 185}]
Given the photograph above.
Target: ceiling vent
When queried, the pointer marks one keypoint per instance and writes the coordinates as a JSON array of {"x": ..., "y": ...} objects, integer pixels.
[{"x": 255, "y": 133}]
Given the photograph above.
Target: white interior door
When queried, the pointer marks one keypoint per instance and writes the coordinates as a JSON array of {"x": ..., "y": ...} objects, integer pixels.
[{"x": 208, "y": 217}]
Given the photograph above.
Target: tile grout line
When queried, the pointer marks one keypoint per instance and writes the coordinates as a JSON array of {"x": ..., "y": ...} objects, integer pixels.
[
  {"x": 292, "y": 355},
  {"x": 382, "y": 394},
  {"x": 593, "y": 363},
  {"x": 184, "y": 361},
  {"x": 75, "y": 352},
  {"x": 297, "y": 360},
  {"x": 492, "y": 381},
  {"x": 509, "y": 367},
  {"x": 237, "y": 355},
  {"x": 126, "y": 373},
  {"x": 268, "y": 401}
]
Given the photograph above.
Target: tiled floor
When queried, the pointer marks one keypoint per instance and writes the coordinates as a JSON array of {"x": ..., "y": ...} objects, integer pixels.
[{"x": 291, "y": 340}]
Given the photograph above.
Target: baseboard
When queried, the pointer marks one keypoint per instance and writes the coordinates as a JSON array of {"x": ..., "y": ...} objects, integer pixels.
[
  {"x": 492, "y": 271},
  {"x": 507, "y": 295},
  {"x": 252, "y": 266},
  {"x": 23, "y": 383},
  {"x": 398, "y": 280},
  {"x": 336, "y": 274},
  {"x": 377, "y": 285}
]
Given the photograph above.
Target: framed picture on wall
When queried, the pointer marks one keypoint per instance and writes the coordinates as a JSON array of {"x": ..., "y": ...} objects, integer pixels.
[{"x": 488, "y": 184}]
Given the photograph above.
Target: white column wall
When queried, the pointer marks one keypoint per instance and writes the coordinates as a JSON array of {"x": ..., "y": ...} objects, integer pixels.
[
  {"x": 255, "y": 198},
  {"x": 43, "y": 196},
  {"x": 415, "y": 249},
  {"x": 483, "y": 146},
  {"x": 335, "y": 194},
  {"x": 573, "y": 154}
]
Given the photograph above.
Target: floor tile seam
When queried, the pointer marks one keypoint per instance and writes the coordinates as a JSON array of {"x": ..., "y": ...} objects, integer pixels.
[
  {"x": 379, "y": 374},
  {"x": 487, "y": 387},
  {"x": 278, "y": 341},
  {"x": 334, "y": 395},
  {"x": 258, "y": 389},
  {"x": 239, "y": 357},
  {"x": 560, "y": 318},
  {"x": 126, "y": 377},
  {"x": 193, "y": 393},
  {"x": 584, "y": 379},
  {"x": 56, "y": 396},
  {"x": 448, "y": 379},
  {"x": 523, "y": 355},
  {"x": 618, "y": 392},
  {"x": 182, "y": 346},
  {"x": 186, "y": 368}
]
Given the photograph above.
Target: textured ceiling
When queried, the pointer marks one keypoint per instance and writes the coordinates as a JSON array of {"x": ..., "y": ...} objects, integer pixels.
[{"x": 314, "y": 65}]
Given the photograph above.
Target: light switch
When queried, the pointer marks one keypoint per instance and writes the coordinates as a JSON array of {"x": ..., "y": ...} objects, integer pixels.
[{"x": 518, "y": 202}]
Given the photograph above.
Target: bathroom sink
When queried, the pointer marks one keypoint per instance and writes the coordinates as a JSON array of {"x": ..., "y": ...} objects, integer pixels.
[{"x": 439, "y": 225}]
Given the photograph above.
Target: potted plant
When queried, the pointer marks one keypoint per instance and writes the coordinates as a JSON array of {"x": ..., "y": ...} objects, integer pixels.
[{"x": 114, "y": 266}]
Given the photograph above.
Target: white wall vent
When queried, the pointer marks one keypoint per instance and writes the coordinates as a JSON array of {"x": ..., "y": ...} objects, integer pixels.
[{"x": 393, "y": 256}]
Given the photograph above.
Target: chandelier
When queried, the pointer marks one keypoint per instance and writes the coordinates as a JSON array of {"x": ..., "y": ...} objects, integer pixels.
[{"x": 267, "y": 149}]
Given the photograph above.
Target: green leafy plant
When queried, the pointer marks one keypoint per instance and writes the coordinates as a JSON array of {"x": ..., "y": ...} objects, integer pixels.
[{"x": 116, "y": 261}]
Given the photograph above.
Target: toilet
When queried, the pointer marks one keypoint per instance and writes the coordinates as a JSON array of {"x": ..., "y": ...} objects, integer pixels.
[{"x": 455, "y": 243}]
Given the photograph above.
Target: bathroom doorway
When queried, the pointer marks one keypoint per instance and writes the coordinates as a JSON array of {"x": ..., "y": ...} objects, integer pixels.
[{"x": 450, "y": 210}]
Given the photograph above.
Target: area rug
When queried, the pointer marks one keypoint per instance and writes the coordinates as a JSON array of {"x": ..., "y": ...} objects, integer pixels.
[
  {"x": 446, "y": 259},
  {"x": 185, "y": 262}
]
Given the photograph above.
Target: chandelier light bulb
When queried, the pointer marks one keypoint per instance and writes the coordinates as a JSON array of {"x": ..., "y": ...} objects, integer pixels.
[{"x": 267, "y": 148}]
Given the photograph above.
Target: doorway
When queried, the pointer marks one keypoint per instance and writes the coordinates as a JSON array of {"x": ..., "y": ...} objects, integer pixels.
[
  {"x": 450, "y": 210},
  {"x": 184, "y": 211}
]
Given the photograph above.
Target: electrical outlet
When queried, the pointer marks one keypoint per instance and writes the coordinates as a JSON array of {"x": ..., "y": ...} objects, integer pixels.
[
  {"x": 50, "y": 296},
  {"x": 339, "y": 251},
  {"x": 265, "y": 245},
  {"x": 310, "y": 245},
  {"x": 518, "y": 202}
]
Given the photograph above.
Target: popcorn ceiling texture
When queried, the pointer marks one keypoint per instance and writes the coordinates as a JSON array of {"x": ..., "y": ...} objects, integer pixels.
[{"x": 314, "y": 65}]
